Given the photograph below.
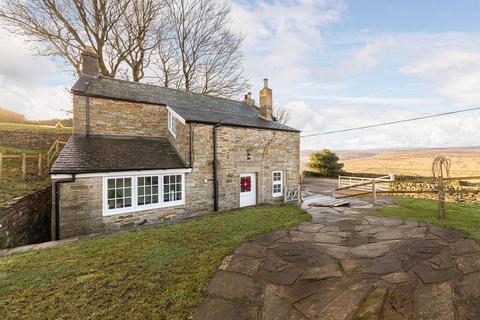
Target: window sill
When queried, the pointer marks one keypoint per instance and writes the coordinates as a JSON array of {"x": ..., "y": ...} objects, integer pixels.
[
  {"x": 116, "y": 212},
  {"x": 276, "y": 195}
]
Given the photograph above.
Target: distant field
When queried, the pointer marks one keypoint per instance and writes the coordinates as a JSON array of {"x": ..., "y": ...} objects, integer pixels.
[
  {"x": 32, "y": 128},
  {"x": 465, "y": 161}
]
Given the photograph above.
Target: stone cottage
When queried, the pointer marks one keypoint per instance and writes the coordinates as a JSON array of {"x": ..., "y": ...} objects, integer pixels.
[{"x": 142, "y": 153}]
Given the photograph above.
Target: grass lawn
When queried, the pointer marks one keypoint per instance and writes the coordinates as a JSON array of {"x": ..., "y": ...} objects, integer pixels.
[
  {"x": 152, "y": 273},
  {"x": 4, "y": 126},
  {"x": 11, "y": 183},
  {"x": 461, "y": 217}
]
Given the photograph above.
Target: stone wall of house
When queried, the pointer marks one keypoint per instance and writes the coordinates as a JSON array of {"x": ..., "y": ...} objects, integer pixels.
[
  {"x": 400, "y": 185},
  {"x": 33, "y": 140},
  {"x": 240, "y": 150},
  {"x": 123, "y": 118},
  {"x": 26, "y": 220}
]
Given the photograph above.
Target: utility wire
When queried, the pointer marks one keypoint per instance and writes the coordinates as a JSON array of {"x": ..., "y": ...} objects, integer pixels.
[{"x": 390, "y": 123}]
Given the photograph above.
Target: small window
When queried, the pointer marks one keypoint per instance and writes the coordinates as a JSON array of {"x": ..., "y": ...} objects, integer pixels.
[
  {"x": 119, "y": 193},
  {"x": 172, "y": 188},
  {"x": 172, "y": 124},
  {"x": 277, "y": 184}
]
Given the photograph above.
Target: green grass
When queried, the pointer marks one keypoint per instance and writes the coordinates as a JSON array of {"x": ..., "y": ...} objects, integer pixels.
[
  {"x": 4, "y": 126},
  {"x": 11, "y": 183},
  {"x": 461, "y": 217},
  {"x": 154, "y": 273}
]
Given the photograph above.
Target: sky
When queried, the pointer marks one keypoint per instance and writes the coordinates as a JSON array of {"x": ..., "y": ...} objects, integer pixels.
[{"x": 333, "y": 64}]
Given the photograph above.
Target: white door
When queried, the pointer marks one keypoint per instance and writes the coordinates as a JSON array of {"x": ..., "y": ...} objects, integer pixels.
[{"x": 248, "y": 191}]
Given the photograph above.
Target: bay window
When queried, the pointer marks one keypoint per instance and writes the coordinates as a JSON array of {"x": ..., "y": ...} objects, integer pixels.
[{"x": 141, "y": 192}]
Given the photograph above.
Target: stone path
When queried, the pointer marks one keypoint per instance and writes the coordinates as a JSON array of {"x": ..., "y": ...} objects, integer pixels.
[{"x": 345, "y": 264}]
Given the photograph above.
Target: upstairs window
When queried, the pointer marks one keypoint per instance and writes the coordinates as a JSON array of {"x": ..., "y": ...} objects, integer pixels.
[
  {"x": 171, "y": 124},
  {"x": 277, "y": 184}
]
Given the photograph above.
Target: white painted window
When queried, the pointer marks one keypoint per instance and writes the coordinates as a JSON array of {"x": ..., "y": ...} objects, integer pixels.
[
  {"x": 277, "y": 183},
  {"x": 122, "y": 194},
  {"x": 171, "y": 124}
]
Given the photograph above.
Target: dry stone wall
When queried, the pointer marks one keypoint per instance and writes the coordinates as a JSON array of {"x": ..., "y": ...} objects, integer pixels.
[
  {"x": 430, "y": 186},
  {"x": 33, "y": 140},
  {"x": 26, "y": 220}
]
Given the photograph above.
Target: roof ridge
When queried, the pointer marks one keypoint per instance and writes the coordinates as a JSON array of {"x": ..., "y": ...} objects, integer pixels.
[{"x": 173, "y": 89}]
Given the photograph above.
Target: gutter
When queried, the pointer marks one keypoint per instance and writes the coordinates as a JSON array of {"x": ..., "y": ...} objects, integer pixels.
[
  {"x": 214, "y": 163},
  {"x": 57, "y": 204}
]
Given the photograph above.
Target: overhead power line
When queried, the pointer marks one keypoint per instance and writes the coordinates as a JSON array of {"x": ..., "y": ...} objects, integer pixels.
[{"x": 390, "y": 123}]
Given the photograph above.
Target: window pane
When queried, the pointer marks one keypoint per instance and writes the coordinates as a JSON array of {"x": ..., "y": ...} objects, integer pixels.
[
  {"x": 166, "y": 179},
  {"x": 119, "y": 203},
  {"x": 141, "y": 191},
  {"x": 111, "y": 183},
  {"x": 141, "y": 201},
  {"x": 141, "y": 181},
  {"x": 154, "y": 190},
  {"x": 148, "y": 180},
  {"x": 179, "y": 196},
  {"x": 128, "y": 202},
  {"x": 119, "y": 183},
  {"x": 154, "y": 199},
  {"x": 148, "y": 199},
  {"x": 148, "y": 190},
  {"x": 155, "y": 180},
  {"x": 128, "y": 182},
  {"x": 119, "y": 193},
  {"x": 111, "y": 194},
  {"x": 111, "y": 204}
]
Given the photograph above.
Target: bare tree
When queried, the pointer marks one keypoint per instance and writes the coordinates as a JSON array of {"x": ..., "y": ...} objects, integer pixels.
[
  {"x": 281, "y": 115},
  {"x": 199, "y": 52},
  {"x": 185, "y": 44},
  {"x": 119, "y": 31}
]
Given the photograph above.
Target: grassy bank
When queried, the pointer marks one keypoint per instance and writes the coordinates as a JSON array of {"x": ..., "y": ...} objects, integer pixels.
[
  {"x": 4, "y": 126},
  {"x": 461, "y": 217},
  {"x": 155, "y": 273},
  {"x": 11, "y": 183}
]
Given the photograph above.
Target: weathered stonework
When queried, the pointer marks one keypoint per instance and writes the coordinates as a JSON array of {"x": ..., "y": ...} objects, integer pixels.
[
  {"x": 34, "y": 140},
  {"x": 26, "y": 220},
  {"x": 239, "y": 150}
]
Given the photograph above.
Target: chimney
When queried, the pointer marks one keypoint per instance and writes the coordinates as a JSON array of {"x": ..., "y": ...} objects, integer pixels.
[
  {"x": 266, "y": 101},
  {"x": 249, "y": 100},
  {"x": 90, "y": 64}
]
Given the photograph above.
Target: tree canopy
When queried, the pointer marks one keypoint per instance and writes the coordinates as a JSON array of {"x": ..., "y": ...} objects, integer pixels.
[{"x": 325, "y": 163}]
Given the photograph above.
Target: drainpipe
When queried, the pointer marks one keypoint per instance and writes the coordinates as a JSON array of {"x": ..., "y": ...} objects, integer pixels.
[
  {"x": 215, "y": 178},
  {"x": 87, "y": 116},
  {"x": 191, "y": 145},
  {"x": 57, "y": 204}
]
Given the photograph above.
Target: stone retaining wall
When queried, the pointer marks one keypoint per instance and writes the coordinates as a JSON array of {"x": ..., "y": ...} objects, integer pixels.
[
  {"x": 422, "y": 185},
  {"x": 26, "y": 220},
  {"x": 35, "y": 140}
]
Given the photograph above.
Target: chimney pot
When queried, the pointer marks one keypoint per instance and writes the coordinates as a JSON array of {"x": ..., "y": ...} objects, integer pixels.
[
  {"x": 265, "y": 83},
  {"x": 90, "y": 63}
]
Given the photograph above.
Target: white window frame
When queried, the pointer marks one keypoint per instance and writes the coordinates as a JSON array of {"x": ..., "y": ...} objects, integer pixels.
[
  {"x": 274, "y": 183},
  {"x": 171, "y": 124},
  {"x": 134, "y": 185}
]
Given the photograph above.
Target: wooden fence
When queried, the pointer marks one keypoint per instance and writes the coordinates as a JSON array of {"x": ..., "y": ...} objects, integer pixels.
[{"x": 43, "y": 163}]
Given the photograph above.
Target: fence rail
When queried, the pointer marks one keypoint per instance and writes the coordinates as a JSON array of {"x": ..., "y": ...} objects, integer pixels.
[
  {"x": 43, "y": 162},
  {"x": 362, "y": 183}
]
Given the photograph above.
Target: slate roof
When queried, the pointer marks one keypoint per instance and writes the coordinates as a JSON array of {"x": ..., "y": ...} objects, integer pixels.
[
  {"x": 193, "y": 107},
  {"x": 107, "y": 154}
]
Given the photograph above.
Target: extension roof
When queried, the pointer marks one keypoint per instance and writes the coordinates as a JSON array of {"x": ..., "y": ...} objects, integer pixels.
[
  {"x": 192, "y": 107},
  {"x": 84, "y": 154}
]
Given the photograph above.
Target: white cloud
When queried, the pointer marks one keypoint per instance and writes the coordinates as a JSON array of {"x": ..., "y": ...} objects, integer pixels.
[
  {"x": 369, "y": 56},
  {"x": 30, "y": 85},
  {"x": 281, "y": 37}
]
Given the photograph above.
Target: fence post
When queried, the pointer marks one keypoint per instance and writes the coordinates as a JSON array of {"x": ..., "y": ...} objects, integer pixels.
[
  {"x": 39, "y": 164},
  {"x": 374, "y": 192},
  {"x": 1, "y": 164},
  {"x": 24, "y": 166}
]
